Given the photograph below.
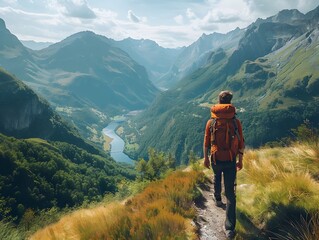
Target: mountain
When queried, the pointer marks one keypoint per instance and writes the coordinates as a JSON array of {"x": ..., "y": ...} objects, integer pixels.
[
  {"x": 156, "y": 59},
  {"x": 13, "y": 55},
  {"x": 84, "y": 77},
  {"x": 35, "y": 45},
  {"x": 274, "y": 77},
  {"x": 26, "y": 115},
  {"x": 101, "y": 74},
  {"x": 198, "y": 54}
]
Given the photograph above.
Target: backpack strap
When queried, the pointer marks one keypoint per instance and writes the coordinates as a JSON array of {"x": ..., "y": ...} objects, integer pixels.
[
  {"x": 212, "y": 130},
  {"x": 212, "y": 137},
  {"x": 236, "y": 128}
]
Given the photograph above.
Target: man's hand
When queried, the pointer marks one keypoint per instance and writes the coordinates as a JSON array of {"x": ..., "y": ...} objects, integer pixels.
[
  {"x": 206, "y": 162},
  {"x": 239, "y": 164}
]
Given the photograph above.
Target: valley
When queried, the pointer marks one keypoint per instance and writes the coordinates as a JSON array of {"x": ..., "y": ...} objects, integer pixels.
[{"x": 90, "y": 126}]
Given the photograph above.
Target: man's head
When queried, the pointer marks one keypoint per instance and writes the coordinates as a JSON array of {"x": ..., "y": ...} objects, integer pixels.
[{"x": 225, "y": 97}]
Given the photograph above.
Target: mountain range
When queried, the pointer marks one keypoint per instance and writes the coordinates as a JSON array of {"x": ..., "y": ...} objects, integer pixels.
[
  {"x": 156, "y": 59},
  {"x": 84, "y": 77},
  {"x": 272, "y": 72},
  {"x": 270, "y": 66}
]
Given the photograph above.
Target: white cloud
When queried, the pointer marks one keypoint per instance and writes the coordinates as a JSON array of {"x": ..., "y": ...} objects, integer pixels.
[
  {"x": 54, "y": 20},
  {"x": 179, "y": 19},
  {"x": 190, "y": 14},
  {"x": 132, "y": 17},
  {"x": 264, "y": 9},
  {"x": 73, "y": 8},
  {"x": 222, "y": 16}
]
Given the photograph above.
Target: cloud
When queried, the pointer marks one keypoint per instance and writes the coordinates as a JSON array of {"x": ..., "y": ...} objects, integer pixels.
[
  {"x": 132, "y": 17},
  {"x": 173, "y": 23},
  {"x": 190, "y": 14},
  {"x": 225, "y": 16},
  {"x": 264, "y": 9},
  {"x": 73, "y": 8},
  {"x": 179, "y": 19},
  {"x": 219, "y": 16}
]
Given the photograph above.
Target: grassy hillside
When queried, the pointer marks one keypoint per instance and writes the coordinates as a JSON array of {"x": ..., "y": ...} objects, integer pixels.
[
  {"x": 164, "y": 210},
  {"x": 277, "y": 192},
  {"x": 282, "y": 79}
]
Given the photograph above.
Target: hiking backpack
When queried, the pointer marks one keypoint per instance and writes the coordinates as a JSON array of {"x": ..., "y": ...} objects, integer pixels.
[{"x": 225, "y": 139}]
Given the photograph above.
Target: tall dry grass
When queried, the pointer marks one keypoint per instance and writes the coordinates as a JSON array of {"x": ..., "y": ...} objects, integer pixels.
[
  {"x": 277, "y": 188},
  {"x": 162, "y": 211},
  {"x": 9, "y": 232}
]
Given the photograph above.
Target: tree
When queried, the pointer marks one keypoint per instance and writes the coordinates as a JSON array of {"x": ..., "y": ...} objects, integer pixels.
[
  {"x": 141, "y": 168},
  {"x": 27, "y": 219},
  {"x": 306, "y": 133}
]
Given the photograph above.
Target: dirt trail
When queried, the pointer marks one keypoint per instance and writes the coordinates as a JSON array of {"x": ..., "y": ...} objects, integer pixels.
[{"x": 210, "y": 218}]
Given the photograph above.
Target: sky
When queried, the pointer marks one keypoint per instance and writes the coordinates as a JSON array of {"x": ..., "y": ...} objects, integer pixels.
[{"x": 171, "y": 23}]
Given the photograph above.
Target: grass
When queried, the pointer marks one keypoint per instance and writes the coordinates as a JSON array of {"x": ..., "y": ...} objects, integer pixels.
[
  {"x": 164, "y": 210},
  {"x": 278, "y": 187},
  {"x": 278, "y": 195},
  {"x": 9, "y": 232}
]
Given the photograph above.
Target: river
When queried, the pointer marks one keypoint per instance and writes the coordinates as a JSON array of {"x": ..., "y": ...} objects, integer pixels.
[{"x": 117, "y": 144}]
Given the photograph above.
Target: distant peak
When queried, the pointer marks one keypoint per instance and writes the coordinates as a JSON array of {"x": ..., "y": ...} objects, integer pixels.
[
  {"x": 288, "y": 15},
  {"x": 83, "y": 34},
  {"x": 313, "y": 13},
  {"x": 86, "y": 33},
  {"x": 291, "y": 12},
  {"x": 2, "y": 23}
]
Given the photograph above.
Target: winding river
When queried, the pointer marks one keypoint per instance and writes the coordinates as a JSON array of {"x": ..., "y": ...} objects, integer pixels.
[{"x": 117, "y": 144}]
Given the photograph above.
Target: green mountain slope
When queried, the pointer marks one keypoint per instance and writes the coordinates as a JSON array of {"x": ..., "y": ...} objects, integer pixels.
[
  {"x": 24, "y": 114},
  {"x": 273, "y": 74}
]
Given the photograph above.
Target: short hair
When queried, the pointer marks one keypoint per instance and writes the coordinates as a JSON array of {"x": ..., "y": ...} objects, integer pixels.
[{"x": 225, "y": 97}]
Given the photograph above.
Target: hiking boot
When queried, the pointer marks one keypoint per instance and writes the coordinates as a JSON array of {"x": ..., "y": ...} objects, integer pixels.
[
  {"x": 219, "y": 203},
  {"x": 230, "y": 234}
]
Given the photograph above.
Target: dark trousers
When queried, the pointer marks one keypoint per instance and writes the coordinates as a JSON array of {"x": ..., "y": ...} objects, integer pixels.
[{"x": 228, "y": 170}]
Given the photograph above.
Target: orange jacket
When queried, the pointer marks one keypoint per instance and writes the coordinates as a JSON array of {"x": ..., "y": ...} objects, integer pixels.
[{"x": 223, "y": 111}]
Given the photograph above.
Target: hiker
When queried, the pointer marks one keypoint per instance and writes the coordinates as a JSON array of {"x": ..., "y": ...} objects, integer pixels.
[{"x": 224, "y": 137}]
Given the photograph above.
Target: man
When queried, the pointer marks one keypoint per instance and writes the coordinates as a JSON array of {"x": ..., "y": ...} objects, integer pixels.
[{"x": 224, "y": 137}]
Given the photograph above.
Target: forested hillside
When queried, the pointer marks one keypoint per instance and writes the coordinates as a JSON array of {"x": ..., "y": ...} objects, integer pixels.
[
  {"x": 54, "y": 166},
  {"x": 36, "y": 174}
]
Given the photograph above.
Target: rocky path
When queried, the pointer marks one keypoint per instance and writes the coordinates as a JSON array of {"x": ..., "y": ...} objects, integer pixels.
[{"x": 210, "y": 218}]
